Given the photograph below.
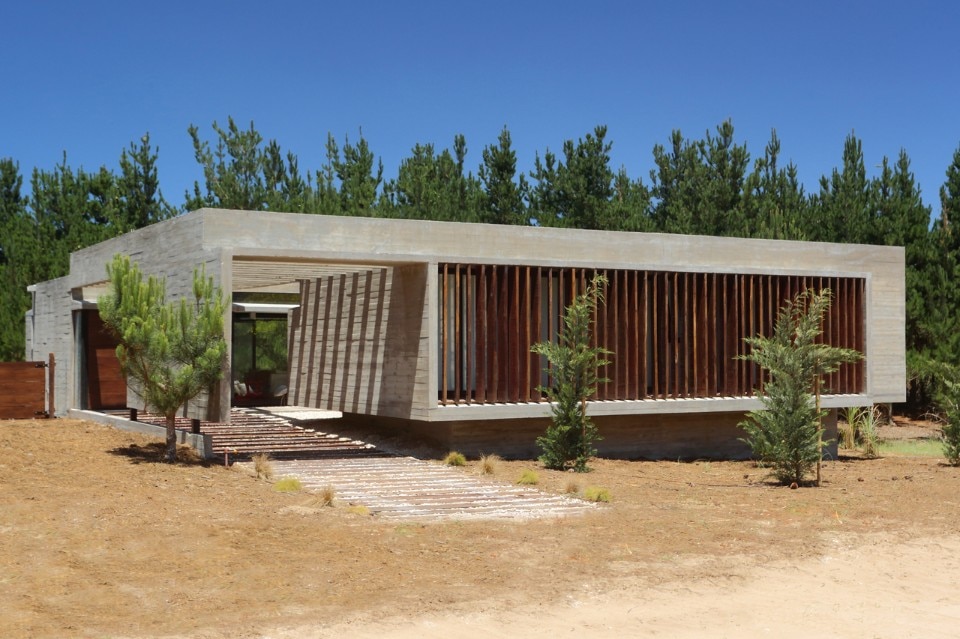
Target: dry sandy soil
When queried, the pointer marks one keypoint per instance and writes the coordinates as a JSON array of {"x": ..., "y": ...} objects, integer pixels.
[{"x": 99, "y": 539}]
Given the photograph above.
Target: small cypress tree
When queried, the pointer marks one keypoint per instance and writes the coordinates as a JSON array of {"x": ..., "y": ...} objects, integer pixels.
[
  {"x": 949, "y": 403},
  {"x": 573, "y": 367},
  {"x": 787, "y": 434},
  {"x": 173, "y": 351}
]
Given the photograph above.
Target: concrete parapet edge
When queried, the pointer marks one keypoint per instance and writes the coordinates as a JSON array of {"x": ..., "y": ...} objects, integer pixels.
[{"x": 202, "y": 443}]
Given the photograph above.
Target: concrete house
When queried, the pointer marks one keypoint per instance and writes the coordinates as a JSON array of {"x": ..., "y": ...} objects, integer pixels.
[{"x": 426, "y": 327}]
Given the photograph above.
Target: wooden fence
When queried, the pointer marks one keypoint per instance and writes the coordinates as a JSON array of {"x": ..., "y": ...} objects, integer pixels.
[{"x": 26, "y": 389}]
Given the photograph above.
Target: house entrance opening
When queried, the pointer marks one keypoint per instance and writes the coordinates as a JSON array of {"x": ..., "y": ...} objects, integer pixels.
[{"x": 259, "y": 359}]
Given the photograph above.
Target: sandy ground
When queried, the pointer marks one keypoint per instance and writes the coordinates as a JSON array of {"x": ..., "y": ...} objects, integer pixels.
[
  {"x": 97, "y": 539},
  {"x": 880, "y": 588}
]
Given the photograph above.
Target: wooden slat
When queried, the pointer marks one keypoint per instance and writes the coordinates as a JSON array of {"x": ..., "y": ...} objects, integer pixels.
[
  {"x": 525, "y": 342},
  {"x": 628, "y": 331},
  {"x": 656, "y": 322},
  {"x": 516, "y": 316},
  {"x": 843, "y": 372},
  {"x": 444, "y": 324},
  {"x": 461, "y": 320},
  {"x": 683, "y": 310},
  {"x": 674, "y": 357},
  {"x": 638, "y": 388},
  {"x": 481, "y": 335},
  {"x": 470, "y": 301},
  {"x": 643, "y": 304},
  {"x": 493, "y": 381}
]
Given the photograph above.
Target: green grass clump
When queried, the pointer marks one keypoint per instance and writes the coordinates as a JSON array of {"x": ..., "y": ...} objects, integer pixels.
[
  {"x": 454, "y": 458},
  {"x": 288, "y": 485},
  {"x": 529, "y": 478},
  {"x": 912, "y": 447},
  {"x": 597, "y": 493}
]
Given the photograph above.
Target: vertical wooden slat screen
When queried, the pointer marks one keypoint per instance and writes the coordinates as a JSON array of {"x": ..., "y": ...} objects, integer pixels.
[{"x": 671, "y": 334}]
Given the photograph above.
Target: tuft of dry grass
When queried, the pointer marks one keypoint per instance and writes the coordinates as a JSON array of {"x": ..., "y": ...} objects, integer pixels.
[
  {"x": 488, "y": 464},
  {"x": 848, "y": 439},
  {"x": 326, "y": 495},
  {"x": 262, "y": 466},
  {"x": 454, "y": 458},
  {"x": 529, "y": 478},
  {"x": 572, "y": 487}
]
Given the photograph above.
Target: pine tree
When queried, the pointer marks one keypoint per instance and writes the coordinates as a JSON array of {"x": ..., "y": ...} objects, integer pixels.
[
  {"x": 242, "y": 173},
  {"x": 358, "y": 180},
  {"x": 725, "y": 164},
  {"x": 774, "y": 204},
  {"x": 138, "y": 201},
  {"x": 173, "y": 351},
  {"x": 431, "y": 186},
  {"x": 631, "y": 206},
  {"x": 676, "y": 184},
  {"x": 574, "y": 193},
  {"x": 504, "y": 192},
  {"x": 698, "y": 185},
  {"x": 899, "y": 218},
  {"x": 15, "y": 273},
  {"x": 841, "y": 211}
]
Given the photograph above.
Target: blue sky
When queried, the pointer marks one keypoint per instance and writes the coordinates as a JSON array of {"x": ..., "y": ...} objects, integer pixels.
[{"x": 90, "y": 77}]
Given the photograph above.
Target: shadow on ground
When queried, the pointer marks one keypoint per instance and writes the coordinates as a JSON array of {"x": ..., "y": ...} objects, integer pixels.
[{"x": 156, "y": 453}]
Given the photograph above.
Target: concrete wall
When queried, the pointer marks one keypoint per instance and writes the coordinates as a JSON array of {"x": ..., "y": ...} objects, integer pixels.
[
  {"x": 362, "y": 346},
  {"x": 49, "y": 329}
]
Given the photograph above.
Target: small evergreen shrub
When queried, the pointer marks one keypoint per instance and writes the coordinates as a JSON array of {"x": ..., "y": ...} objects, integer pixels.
[
  {"x": 787, "y": 435},
  {"x": 950, "y": 405},
  {"x": 573, "y": 366}
]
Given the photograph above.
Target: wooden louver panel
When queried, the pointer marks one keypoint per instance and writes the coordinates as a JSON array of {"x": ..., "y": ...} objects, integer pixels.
[{"x": 672, "y": 335}]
